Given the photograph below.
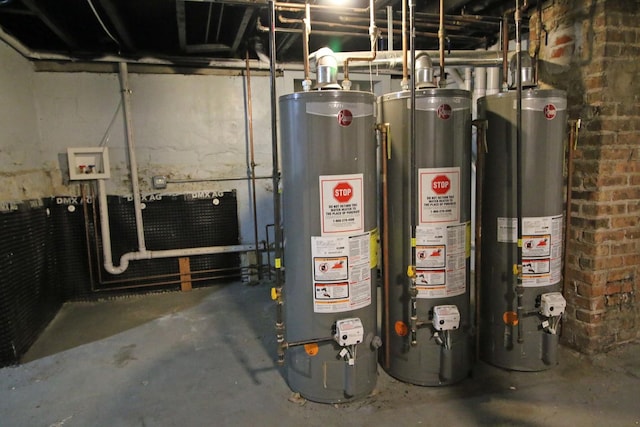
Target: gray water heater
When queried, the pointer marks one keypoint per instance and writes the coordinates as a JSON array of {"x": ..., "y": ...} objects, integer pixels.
[
  {"x": 519, "y": 322},
  {"x": 439, "y": 351},
  {"x": 329, "y": 217}
]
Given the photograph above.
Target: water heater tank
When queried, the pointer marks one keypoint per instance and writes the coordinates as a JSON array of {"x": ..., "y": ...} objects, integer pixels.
[
  {"x": 521, "y": 336},
  {"x": 329, "y": 218},
  {"x": 441, "y": 352}
]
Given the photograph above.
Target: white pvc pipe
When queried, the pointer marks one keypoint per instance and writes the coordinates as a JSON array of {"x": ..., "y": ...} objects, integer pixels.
[
  {"x": 105, "y": 231},
  {"x": 133, "y": 164},
  {"x": 393, "y": 58},
  {"x": 390, "y": 28}
]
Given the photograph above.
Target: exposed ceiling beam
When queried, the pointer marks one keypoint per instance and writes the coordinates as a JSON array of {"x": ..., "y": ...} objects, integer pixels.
[
  {"x": 206, "y": 47},
  {"x": 120, "y": 27},
  {"x": 242, "y": 28},
  {"x": 182, "y": 26},
  {"x": 449, "y": 5},
  {"x": 51, "y": 23},
  {"x": 234, "y": 2}
]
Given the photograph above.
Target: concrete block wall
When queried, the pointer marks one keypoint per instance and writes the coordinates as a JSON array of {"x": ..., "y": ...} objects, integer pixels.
[{"x": 591, "y": 49}]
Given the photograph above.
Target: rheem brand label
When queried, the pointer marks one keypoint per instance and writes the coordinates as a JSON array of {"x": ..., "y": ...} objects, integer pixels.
[
  {"x": 341, "y": 204},
  {"x": 439, "y": 191},
  {"x": 345, "y": 117},
  {"x": 550, "y": 111},
  {"x": 444, "y": 111}
]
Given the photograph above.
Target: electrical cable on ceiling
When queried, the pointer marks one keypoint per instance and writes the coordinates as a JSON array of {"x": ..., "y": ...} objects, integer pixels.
[{"x": 104, "y": 27}]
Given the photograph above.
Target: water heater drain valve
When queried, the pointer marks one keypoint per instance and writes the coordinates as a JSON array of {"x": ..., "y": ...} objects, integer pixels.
[
  {"x": 552, "y": 304},
  {"x": 349, "y": 332},
  {"x": 446, "y": 317}
]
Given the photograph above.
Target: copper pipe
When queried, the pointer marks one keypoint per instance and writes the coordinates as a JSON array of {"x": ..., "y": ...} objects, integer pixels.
[
  {"x": 443, "y": 80},
  {"x": 305, "y": 46},
  {"x": 252, "y": 164},
  {"x": 573, "y": 142},
  {"x": 373, "y": 34},
  {"x": 386, "y": 154}
]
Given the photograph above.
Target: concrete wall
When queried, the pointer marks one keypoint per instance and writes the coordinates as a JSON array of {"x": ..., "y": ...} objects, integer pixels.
[
  {"x": 590, "y": 49},
  {"x": 185, "y": 127},
  {"x": 191, "y": 127},
  {"x": 22, "y": 175}
]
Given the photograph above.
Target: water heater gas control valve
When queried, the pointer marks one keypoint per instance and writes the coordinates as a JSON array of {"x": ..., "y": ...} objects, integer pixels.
[
  {"x": 552, "y": 304},
  {"x": 446, "y": 317},
  {"x": 349, "y": 331}
]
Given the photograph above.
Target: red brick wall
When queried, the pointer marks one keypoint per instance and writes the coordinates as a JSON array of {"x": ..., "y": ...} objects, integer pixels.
[{"x": 591, "y": 49}]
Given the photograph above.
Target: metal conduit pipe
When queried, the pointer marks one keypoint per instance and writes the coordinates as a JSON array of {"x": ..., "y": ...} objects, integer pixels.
[
  {"x": 191, "y": 180},
  {"x": 405, "y": 67},
  {"x": 413, "y": 186},
  {"x": 519, "y": 186},
  {"x": 252, "y": 165},
  {"x": 276, "y": 292}
]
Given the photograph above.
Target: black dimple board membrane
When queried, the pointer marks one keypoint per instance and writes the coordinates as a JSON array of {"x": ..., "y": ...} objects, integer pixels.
[
  {"x": 173, "y": 222},
  {"x": 29, "y": 293},
  {"x": 51, "y": 252}
]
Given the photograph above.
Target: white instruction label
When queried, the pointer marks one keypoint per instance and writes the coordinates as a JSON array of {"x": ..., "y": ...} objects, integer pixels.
[
  {"x": 441, "y": 268},
  {"x": 341, "y": 272},
  {"x": 341, "y": 204},
  {"x": 507, "y": 230},
  {"x": 439, "y": 191},
  {"x": 541, "y": 250}
]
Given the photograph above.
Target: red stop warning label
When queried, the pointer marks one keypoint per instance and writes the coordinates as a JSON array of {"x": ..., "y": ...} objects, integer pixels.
[
  {"x": 345, "y": 117},
  {"x": 441, "y": 184},
  {"x": 550, "y": 111},
  {"x": 343, "y": 192}
]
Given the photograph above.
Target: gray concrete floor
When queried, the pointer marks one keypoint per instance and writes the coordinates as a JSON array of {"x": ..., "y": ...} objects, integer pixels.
[{"x": 205, "y": 358}]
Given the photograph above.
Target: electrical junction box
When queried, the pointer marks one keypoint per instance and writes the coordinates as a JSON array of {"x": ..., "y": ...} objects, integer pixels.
[
  {"x": 446, "y": 317},
  {"x": 349, "y": 332},
  {"x": 88, "y": 163},
  {"x": 552, "y": 304}
]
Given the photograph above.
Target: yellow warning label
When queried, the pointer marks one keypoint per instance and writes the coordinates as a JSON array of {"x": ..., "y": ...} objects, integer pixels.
[
  {"x": 374, "y": 248},
  {"x": 468, "y": 240},
  {"x": 277, "y": 263},
  {"x": 413, "y": 242}
]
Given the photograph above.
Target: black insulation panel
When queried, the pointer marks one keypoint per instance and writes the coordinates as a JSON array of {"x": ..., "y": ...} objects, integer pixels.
[
  {"x": 51, "y": 252},
  {"x": 29, "y": 293}
]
